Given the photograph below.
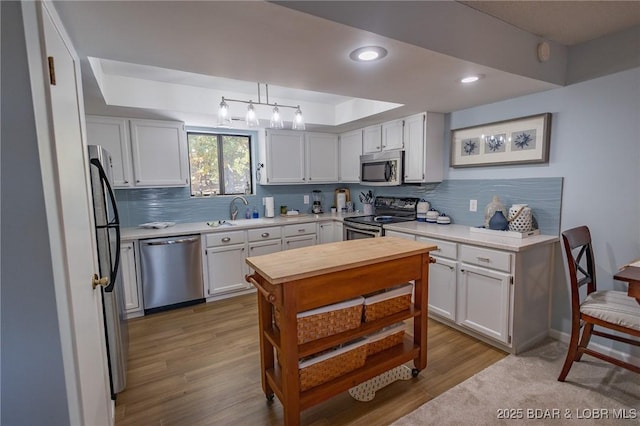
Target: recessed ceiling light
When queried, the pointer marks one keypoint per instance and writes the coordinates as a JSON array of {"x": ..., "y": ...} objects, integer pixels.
[
  {"x": 368, "y": 53},
  {"x": 471, "y": 78}
]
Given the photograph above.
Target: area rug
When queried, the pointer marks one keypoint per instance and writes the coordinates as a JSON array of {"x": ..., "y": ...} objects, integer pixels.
[{"x": 524, "y": 389}]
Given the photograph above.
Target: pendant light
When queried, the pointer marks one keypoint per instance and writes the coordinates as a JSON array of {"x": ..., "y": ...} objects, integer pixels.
[
  {"x": 224, "y": 117},
  {"x": 276, "y": 119},
  {"x": 298, "y": 120},
  {"x": 251, "y": 117}
]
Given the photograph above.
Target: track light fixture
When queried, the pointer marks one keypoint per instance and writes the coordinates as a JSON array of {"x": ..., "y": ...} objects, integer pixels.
[{"x": 251, "y": 118}]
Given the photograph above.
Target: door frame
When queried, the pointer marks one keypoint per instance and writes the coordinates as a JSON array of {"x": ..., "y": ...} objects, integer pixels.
[{"x": 80, "y": 408}]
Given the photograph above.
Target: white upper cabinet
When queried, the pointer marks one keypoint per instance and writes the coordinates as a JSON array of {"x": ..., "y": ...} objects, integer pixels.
[
  {"x": 112, "y": 133},
  {"x": 144, "y": 153},
  {"x": 350, "y": 152},
  {"x": 423, "y": 145},
  {"x": 296, "y": 157},
  {"x": 383, "y": 137},
  {"x": 372, "y": 139},
  {"x": 392, "y": 137},
  {"x": 284, "y": 157},
  {"x": 159, "y": 153},
  {"x": 321, "y": 157}
]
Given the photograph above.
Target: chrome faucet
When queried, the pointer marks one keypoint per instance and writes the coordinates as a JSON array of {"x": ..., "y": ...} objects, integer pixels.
[{"x": 233, "y": 210}]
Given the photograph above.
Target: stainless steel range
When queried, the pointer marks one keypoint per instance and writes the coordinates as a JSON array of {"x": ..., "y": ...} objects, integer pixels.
[{"x": 387, "y": 210}]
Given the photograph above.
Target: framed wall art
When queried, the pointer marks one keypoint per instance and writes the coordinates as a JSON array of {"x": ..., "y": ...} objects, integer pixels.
[{"x": 518, "y": 141}]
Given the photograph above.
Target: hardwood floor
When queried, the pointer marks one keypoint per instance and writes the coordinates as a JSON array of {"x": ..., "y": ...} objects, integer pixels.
[{"x": 200, "y": 366}]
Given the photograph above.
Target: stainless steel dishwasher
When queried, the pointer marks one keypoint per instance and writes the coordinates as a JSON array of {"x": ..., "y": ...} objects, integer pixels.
[{"x": 171, "y": 272}]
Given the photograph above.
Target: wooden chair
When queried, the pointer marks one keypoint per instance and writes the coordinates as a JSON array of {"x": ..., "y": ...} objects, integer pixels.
[{"x": 609, "y": 309}]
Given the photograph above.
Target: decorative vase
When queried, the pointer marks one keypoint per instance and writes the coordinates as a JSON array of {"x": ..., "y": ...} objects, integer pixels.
[
  {"x": 520, "y": 218},
  {"x": 494, "y": 206},
  {"x": 498, "y": 222}
]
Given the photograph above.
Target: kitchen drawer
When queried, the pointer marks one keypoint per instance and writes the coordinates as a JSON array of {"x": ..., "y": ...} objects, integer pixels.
[
  {"x": 484, "y": 257},
  {"x": 445, "y": 248},
  {"x": 299, "y": 229},
  {"x": 262, "y": 234},
  {"x": 225, "y": 238}
]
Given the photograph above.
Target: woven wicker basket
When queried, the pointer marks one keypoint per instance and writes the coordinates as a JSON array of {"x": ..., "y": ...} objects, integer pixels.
[
  {"x": 327, "y": 320},
  {"x": 331, "y": 365},
  {"x": 388, "y": 303},
  {"x": 385, "y": 339}
]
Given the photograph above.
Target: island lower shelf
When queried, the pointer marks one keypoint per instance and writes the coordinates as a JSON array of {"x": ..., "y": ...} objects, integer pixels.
[
  {"x": 315, "y": 346},
  {"x": 374, "y": 365}
]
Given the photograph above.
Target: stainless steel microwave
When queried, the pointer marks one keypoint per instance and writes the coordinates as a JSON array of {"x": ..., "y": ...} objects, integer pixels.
[{"x": 381, "y": 168}]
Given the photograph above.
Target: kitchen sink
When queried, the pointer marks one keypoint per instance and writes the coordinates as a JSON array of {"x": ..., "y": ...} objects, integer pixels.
[{"x": 220, "y": 223}]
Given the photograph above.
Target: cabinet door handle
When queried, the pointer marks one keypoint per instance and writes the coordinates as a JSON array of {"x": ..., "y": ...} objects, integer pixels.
[
  {"x": 242, "y": 249},
  {"x": 264, "y": 235},
  {"x": 483, "y": 259},
  {"x": 126, "y": 181},
  {"x": 301, "y": 230},
  {"x": 225, "y": 239}
]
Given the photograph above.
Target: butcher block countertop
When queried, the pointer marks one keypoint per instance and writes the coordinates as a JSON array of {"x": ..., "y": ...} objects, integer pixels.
[{"x": 321, "y": 259}]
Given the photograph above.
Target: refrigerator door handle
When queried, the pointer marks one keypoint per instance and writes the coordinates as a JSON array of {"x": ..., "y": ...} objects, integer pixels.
[{"x": 115, "y": 224}]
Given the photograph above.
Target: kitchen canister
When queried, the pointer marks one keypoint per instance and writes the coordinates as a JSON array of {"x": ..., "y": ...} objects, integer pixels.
[
  {"x": 421, "y": 210},
  {"x": 432, "y": 216},
  {"x": 520, "y": 218}
]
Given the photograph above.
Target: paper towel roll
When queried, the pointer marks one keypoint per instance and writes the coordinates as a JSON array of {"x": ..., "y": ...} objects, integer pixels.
[
  {"x": 341, "y": 200},
  {"x": 268, "y": 207}
]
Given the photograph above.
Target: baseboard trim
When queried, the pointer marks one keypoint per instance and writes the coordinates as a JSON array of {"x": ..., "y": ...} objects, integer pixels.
[{"x": 565, "y": 337}]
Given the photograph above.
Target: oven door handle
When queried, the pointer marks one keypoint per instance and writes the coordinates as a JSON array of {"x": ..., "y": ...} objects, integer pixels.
[{"x": 367, "y": 231}]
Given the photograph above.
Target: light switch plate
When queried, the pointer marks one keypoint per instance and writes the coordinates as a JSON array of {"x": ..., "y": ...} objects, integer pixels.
[
  {"x": 473, "y": 205},
  {"x": 306, "y": 199}
]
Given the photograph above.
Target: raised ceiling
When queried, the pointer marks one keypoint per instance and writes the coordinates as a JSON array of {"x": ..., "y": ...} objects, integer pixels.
[{"x": 161, "y": 58}]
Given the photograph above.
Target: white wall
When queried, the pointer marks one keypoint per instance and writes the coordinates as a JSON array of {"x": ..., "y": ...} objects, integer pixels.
[
  {"x": 33, "y": 385},
  {"x": 595, "y": 147}
]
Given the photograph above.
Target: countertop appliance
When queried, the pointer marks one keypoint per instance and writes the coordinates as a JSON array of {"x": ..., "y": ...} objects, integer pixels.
[
  {"x": 107, "y": 225},
  {"x": 387, "y": 210},
  {"x": 382, "y": 168},
  {"x": 171, "y": 272}
]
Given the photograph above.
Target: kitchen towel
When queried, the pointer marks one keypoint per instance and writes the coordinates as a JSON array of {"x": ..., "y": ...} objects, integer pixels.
[{"x": 268, "y": 207}]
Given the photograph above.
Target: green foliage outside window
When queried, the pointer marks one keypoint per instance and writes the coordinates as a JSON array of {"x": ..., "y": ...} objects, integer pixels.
[{"x": 220, "y": 164}]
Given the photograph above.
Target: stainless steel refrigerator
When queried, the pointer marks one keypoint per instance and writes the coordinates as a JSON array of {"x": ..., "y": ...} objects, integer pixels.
[{"x": 108, "y": 245}]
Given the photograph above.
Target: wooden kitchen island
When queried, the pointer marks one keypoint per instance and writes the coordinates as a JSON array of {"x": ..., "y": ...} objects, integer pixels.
[{"x": 298, "y": 280}]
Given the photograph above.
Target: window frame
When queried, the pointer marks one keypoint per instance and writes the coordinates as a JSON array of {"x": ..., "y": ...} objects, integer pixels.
[{"x": 220, "y": 134}]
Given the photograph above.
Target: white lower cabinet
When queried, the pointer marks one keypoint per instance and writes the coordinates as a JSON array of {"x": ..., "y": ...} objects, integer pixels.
[
  {"x": 484, "y": 301},
  {"x": 498, "y": 296},
  {"x": 329, "y": 232},
  {"x": 443, "y": 288},
  {"x": 264, "y": 241},
  {"x": 299, "y": 235},
  {"x": 225, "y": 253},
  {"x": 299, "y": 241},
  {"x": 443, "y": 280},
  {"x": 128, "y": 274}
]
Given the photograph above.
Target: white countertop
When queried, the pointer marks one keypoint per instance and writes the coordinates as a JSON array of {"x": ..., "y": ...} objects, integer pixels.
[
  {"x": 456, "y": 233},
  {"x": 463, "y": 234},
  {"x": 137, "y": 233}
]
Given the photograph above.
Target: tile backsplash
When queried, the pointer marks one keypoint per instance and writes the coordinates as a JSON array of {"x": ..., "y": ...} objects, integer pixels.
[{"x": 543, "y": 195}]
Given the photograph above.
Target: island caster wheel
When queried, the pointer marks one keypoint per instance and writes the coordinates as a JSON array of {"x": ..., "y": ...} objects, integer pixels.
[
  {"x": 270, "y": 397},
  {"x": 415, "y": 372}
]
